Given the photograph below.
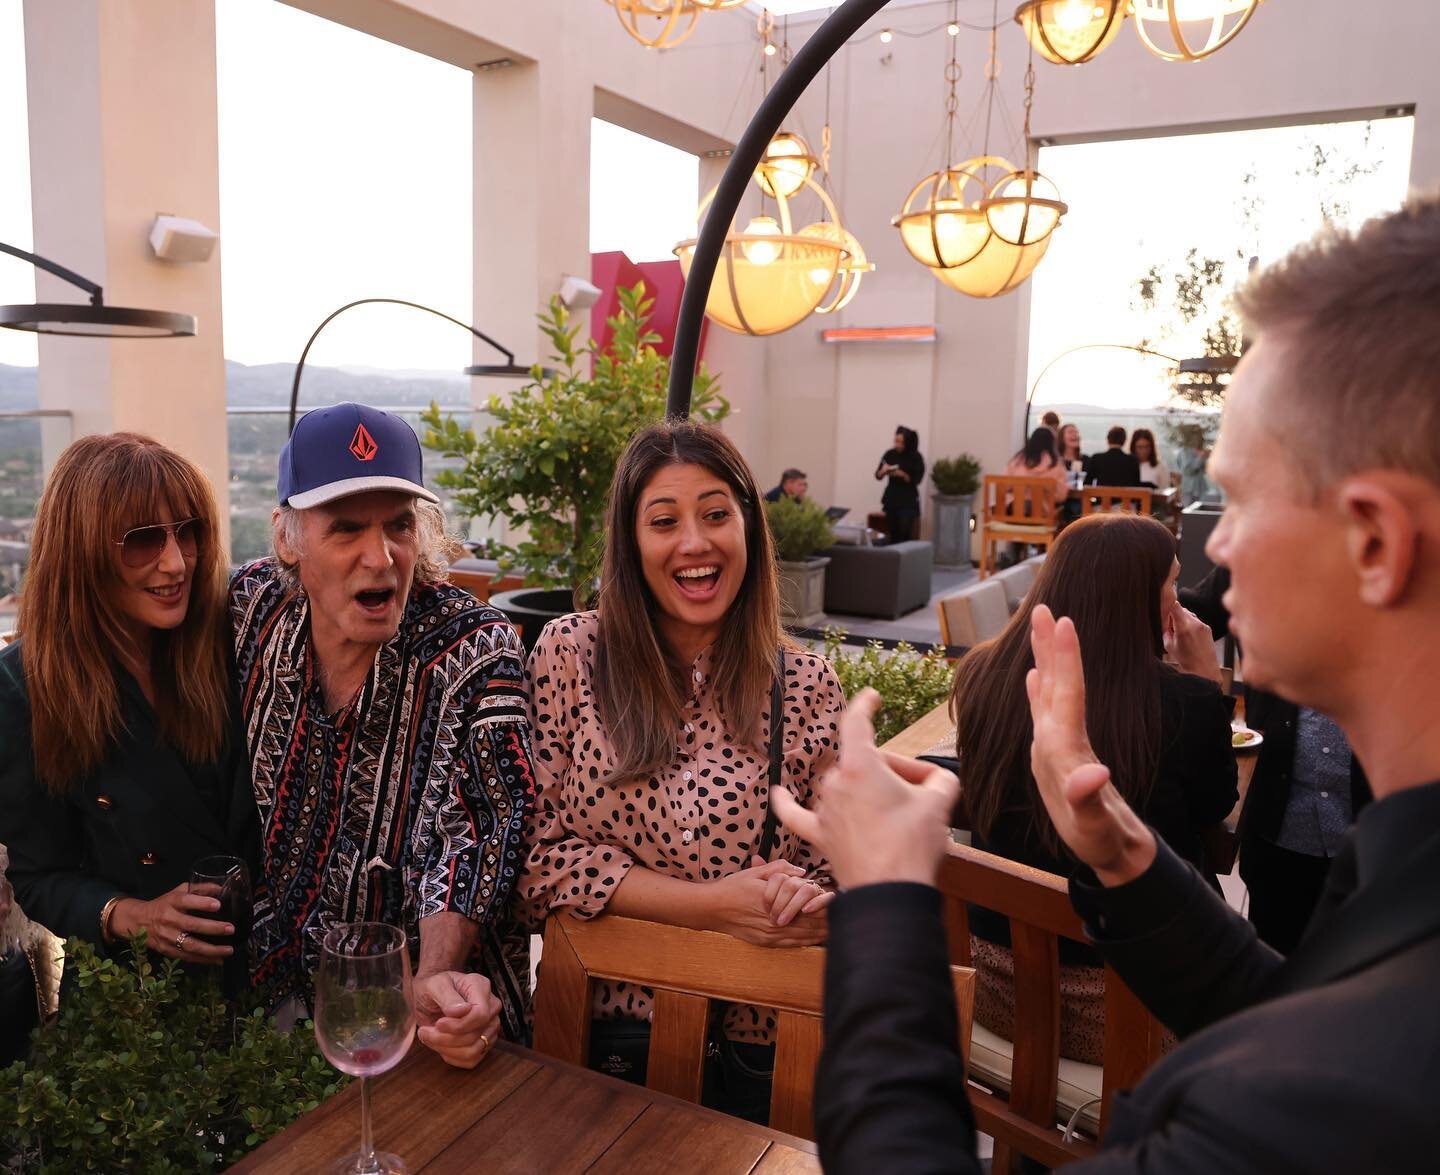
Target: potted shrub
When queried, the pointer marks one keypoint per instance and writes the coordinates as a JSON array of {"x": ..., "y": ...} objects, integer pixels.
[
  {"x": 801, "y": 529},
  {"x": 955, "y": 480},
  {"x": 546, "y": 462}
]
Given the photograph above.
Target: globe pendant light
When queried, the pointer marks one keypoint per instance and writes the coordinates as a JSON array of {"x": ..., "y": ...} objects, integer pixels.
[
  {"x": 1070, "y": 32},
  {"x": 771, "y": 277},
  {"x": 1156, "y": 18},
  {"x": 785, "y": 166},
  {"x": 851, "y": 269},
  {"x": 657, "y": 24},
  {"x": 984, "y": 224}
]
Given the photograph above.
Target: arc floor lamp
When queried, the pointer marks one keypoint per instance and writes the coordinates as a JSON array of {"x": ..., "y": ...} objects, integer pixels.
[
  {"x": 92, "y": 318},
  {"x": 509, "y": 369}
]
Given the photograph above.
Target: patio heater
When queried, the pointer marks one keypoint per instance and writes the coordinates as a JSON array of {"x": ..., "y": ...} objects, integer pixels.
[
  {"x": 508, "y": 370},
  {"x": 839, "y": 26},
  {"x": 93, "y": 319}
]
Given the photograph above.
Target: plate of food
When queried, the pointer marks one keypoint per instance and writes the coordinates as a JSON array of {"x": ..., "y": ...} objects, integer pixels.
[{"x": 1242, "y": 738}]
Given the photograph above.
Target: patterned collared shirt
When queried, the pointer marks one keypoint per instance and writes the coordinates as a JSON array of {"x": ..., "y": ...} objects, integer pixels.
[{"x": 410, "y": 802}]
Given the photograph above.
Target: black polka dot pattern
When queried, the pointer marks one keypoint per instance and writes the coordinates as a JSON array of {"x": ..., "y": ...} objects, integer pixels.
[{"x": 699, "y": 820}]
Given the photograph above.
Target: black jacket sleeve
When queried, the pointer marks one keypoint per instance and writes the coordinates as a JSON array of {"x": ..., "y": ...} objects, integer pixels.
[
  {"x": 890, "y": 1091},
  {"x": 1189, "y": 957},
  {"x": 42, "y": 832},
  {"x": 1205, "y": 768}
]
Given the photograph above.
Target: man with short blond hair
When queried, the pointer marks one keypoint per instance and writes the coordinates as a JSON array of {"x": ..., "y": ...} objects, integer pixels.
[{"x": 1327, "y": 1060}]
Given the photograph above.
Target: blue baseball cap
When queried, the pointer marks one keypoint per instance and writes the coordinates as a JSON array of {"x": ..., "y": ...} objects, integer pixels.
[{"x": 349, "y": 449}]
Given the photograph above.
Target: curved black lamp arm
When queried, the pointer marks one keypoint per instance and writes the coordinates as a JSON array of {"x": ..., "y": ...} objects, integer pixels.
[
  {"x": 97, "y": 295},
  {"x": 1029, "y": 399},
  {"x": 806, "y": 66},
  {"x": 299, "y": 367}
]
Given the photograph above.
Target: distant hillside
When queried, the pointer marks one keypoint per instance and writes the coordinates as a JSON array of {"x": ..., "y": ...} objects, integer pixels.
[{"x": 268, "y": 386}]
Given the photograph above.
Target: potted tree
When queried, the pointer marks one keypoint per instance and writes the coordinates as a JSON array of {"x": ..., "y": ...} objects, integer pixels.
[
  {"x": 955, "y": 480},
  {"x": 801, "y": 528},
  {"x": 546, "y": 462}
]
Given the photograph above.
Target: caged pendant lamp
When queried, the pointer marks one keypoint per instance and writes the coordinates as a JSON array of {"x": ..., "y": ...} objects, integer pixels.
[
  {"x": 1161, "y": 25},
  {"x": 1071, "y": 32}
]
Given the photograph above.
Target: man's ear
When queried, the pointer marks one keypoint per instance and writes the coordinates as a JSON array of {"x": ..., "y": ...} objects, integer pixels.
[
  {"x": 282, "y": 548},
  {"x": 1382, "y": 536}
]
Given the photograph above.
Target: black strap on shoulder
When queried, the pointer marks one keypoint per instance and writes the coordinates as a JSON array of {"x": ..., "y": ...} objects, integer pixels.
[{"x": 777, "y": 754}]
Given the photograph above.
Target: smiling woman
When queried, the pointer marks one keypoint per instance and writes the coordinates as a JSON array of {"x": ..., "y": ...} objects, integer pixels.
[
  {"x": 659, "y": 722},
  {"x": 119, "y": 768}
]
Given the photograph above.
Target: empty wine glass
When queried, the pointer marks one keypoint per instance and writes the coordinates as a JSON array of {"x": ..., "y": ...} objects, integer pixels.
[
  {"x": 227, "y": 879},
  {"x": 364, "y": 1019}
]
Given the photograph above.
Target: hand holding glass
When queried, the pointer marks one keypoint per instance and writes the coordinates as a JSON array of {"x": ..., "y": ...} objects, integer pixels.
[{"x": 364, "y": 1019}]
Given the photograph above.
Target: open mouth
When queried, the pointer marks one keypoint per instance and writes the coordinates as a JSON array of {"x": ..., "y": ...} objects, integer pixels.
[
  {"x": 168, "y": 593},
  {"x": 375, "y": 599},
  {"x": 698, "y": 583}
]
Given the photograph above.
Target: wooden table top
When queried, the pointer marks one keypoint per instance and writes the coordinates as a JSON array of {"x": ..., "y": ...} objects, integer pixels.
[{"x": 523, "y": 1112}]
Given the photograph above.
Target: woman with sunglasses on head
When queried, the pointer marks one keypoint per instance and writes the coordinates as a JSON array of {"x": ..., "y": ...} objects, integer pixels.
[
  {"x": 120, "y": 767},
  {"x": 656, "y": 734}
]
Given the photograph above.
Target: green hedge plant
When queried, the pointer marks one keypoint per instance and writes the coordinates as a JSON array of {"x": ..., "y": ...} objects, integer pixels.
[
  {"x": 546, "y": 462},
  {"x": 911, "y": 684},
  {"x": 800, "y": 529},
  {"x": 956, "y": 476},
  {"x": 149, "y": 1068}
]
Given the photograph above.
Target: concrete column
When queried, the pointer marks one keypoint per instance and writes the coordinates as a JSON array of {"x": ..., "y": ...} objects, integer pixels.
[
  {"x": 532, "y": 197},
  {"x": 122, "y": 109}
]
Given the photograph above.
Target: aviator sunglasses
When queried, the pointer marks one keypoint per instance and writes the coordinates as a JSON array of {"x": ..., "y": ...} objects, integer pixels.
[{"x": 145, "y": 544}]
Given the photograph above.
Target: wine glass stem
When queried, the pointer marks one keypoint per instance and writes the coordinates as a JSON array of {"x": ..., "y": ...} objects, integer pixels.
[{"x": 367, "y": 1137}]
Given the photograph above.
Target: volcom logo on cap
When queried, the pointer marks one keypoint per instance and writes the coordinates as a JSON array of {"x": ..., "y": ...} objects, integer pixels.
[{"x": 363, "y": 445}]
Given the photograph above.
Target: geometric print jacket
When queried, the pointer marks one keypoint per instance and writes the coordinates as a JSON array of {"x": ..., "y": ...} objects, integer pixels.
[{"x": 411, "y": 802}]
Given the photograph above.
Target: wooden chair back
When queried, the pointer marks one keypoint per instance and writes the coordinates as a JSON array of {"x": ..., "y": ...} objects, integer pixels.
[
  {"x": 7, "y": 637},
  {"x": 686, "y": 970},
  {"x": 483, "y": 584},
  {"x": 1017, "y": 510},
  {"x": 1038, "y": 907},
  {"x": 1115, "y": 500}
]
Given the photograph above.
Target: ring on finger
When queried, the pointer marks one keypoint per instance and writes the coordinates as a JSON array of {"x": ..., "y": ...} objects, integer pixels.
[
  {"x": 180, "y": 940},
  {"x": 484, "y": 1045}
]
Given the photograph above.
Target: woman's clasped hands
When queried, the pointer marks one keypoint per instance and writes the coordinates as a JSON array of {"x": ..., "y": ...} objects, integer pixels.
[{"x": 770, "y": 904}]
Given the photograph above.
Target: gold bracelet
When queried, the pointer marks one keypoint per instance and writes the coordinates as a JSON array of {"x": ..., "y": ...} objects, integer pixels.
[{"x": 107, "y": 911}]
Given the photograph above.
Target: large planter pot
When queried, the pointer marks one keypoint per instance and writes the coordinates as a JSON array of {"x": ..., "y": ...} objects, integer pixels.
[
  {"x": 802, "y": 592},
  {"x": 951, "y": 515},
  {"x": 531, "y": 609}
]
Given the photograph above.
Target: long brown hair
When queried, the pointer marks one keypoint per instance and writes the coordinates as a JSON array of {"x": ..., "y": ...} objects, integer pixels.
[
  {"x": 1106, "y": 573},
  {"x": 74, "y": 636},
  {"x": 639, "y": 689}
]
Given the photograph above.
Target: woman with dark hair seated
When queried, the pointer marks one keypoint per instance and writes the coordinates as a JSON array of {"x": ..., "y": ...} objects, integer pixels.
[
  {"x": 120, "y": 765},
  {"x": 653, "y": 724},
  {"x": 1165, "y": 730}
]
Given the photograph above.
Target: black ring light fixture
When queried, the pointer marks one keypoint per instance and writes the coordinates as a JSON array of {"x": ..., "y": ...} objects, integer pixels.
[
  {"x": 839, "y": 26},
  {"x": 509, "y": 369},
  {"x": 95, "y": 319}
]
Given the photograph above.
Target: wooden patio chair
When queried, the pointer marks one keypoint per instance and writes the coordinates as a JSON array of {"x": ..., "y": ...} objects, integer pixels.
[
  {"x": 1032, "y": 1093},
  {"x": 1115, "y": 500},
  {"x": 687, "y": 969},
  {"x": 1015, "y": 510},
  {"x": 483, "y": 584}
]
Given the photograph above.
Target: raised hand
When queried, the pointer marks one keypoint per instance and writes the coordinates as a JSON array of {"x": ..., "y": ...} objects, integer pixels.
[
  {"x": 1088, "y": 813},
  {"x": 879, "y": 817},
  {"x": 1189, "y": 641}
]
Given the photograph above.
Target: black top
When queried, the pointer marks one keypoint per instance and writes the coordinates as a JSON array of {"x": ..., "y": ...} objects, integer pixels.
[
  {"x": 1273, "y": 717},
  {"x": 1113, "y": 467},
  {"x": 1195, "y": 787},
  {"x": 901, "y": 496},
  {"x": 776, "y": 494},
  {"x": 133, "y": 828},
  {"x": 1325, "y": 1061}
]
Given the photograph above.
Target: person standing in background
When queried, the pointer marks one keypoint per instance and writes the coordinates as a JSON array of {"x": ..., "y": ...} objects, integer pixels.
[{"x": 905, "y": 468}]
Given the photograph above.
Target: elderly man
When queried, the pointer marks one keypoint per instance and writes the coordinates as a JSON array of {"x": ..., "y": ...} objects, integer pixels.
[
  {"x": 385, "y": 718},
  {"x": 1328, "y": 1060}
]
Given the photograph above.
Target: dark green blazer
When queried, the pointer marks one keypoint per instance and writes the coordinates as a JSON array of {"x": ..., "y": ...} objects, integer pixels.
[{"x": 131, "y": 829}]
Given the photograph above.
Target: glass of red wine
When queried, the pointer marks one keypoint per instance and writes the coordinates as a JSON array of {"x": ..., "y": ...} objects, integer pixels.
[
  {"x": 228, "y": 880},
  {"x": 364, "y": 1019}
]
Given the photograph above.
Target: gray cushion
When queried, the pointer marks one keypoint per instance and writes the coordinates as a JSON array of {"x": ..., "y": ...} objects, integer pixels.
[{"x": 878, "y": 581}]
